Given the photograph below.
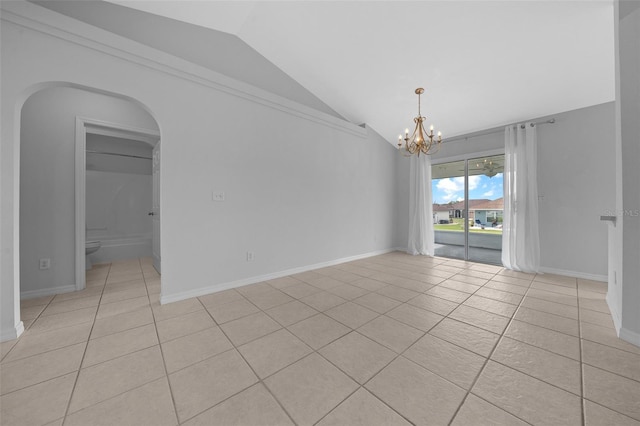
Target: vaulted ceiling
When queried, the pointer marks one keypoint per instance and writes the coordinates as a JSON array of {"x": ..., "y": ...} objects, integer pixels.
[{"x": 483, "y": 63}]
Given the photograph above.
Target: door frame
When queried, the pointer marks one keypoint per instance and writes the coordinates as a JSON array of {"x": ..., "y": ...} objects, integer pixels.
[
  {"x": 466, "y": 157},
  {"x": 84, "y": 126}
]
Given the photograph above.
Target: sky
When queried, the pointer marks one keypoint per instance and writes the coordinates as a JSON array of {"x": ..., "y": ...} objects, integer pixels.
[{"x": 480, "y": 187}]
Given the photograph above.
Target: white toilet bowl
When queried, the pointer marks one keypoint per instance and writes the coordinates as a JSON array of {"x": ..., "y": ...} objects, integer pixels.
[{"x": 90, "y": 247}]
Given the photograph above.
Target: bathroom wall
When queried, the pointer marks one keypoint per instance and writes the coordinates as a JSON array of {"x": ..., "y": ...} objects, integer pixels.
[
  {"x": 118, "y": 198},
  {"x": 47, "y": 180}
]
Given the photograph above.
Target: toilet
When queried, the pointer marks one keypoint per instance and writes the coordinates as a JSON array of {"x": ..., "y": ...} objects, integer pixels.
[{"x": 89, "y": 248}]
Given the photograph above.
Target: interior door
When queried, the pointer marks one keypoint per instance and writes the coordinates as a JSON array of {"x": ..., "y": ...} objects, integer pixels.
[{"x": 155, "y": 211}]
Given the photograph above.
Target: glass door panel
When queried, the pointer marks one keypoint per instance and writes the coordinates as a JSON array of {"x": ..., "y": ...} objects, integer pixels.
[
  {"x": 449, "y": 209},
  {"x": 485, "y": 209},
  {"x": 467, "y": 209}
]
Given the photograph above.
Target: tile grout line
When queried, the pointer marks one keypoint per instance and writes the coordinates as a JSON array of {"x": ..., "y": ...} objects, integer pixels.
[
  {"x": 486, "y": 362},
  {"x": 580, "y": 347},
  {"x": 75, "y": 383}
]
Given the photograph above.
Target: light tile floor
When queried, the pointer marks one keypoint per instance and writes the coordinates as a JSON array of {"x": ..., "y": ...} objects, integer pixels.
[{"x": 389, "y": 340}]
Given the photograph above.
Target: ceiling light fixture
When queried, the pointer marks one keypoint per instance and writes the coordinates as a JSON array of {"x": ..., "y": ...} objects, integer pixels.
[{"x": 420, "y": 141}]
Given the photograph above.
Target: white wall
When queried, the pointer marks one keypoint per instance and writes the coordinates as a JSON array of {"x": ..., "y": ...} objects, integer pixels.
[
  {"x": 624, "y": 275},
  {"x": 302, "y": 187},
  {"x": 47, "y": 173}
]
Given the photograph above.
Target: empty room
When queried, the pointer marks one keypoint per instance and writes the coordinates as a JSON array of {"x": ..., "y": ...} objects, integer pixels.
[{"x": 320, "y": 212}]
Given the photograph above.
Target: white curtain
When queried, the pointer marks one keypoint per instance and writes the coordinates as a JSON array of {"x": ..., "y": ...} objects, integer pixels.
[
  {"x": 420, "y": 206},
  {"x": 520, "y": 240}
]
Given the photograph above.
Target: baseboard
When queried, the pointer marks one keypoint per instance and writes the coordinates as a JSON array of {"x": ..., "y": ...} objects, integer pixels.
[
  {"x": 12, "y": 333},
  {"x": 575, "y": 274},
  {"x": 32, "y": 294},
  {"x": 253, "y": 280},
  {"x": 630, "y": 336}
]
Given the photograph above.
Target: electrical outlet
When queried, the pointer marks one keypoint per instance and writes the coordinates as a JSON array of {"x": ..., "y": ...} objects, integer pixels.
[
  {"x": 45, "y": 263},
  {"x": 217, "y": 196},
  {"x": 250, "y": 256}
]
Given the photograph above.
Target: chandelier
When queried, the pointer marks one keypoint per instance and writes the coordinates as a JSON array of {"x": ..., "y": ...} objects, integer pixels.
[{"x": 420, "y": 141}]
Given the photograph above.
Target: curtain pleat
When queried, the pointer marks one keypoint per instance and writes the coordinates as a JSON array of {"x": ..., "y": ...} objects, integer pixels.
[{"x": 421, "y": 237}]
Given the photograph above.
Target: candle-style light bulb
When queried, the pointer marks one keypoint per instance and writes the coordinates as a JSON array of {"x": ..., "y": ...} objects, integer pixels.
[
  {"x": 406, "y": 133},
  {"x": 439, "y": 134},
  {"x": 431, "y": 128}
]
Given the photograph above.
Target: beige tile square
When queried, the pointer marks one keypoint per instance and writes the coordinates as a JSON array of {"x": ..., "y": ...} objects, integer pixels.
[
  {"x": 599, "y": 305},
  {"x": 447, "y": 360},
  {"x": 203, "y": 385},
  {"x": 254, "y": 289},
  {"x": 220, "y": 298},
  {"x": 121, "y": 287},
  {"x": 248, "y": 328},
  {"x": 368, "y": 284},
  {"x": 495, "y": 284},
  {"x": 310, "y": 388},
  {"x": 118, "y": 344},
  {"x": 358, "y": 356},
  {"x": 377, "y": 302},
  {"x": 611, "y": 359},
  {"x": 273, "y": 352},
  {"x": 416, "y": 393},
  {"x": 418, "y": 318},
  {"x": 185, "y": 324},
  {"x": 300, "y": 290},
  {"x": 448, "y": 294},
  {"x": 550, "y": 321},
  {"x": 131, "y": 293},
  {"x": 351, "y": 314},
  {"x": 320, "y": 281},
  {"x": 598, "y": 318},
  {"x": 606, "y": 336},
  {"x": 39, "y": 368},
  {"x": 550, "y": 340},
  {"x": 38, "y": 301},
  {"x": 550, "y": 296},
  {"x": 192, "y": 348},
  {"x": 550, "y": 307},
  {"x": 615, "y": 392},
  {"x": 269, "y": 299},
  {"x": 527, "y": 398},
  {"x": 6, "y": 347},
  {"x": 318, "y": 330},
  {"x": 568, "y": 290},
  {"x": 476, "y": 411},
  {"x": 524, "y": 277},
  {"x": 39, "y": 404},
  {"x": 232, "y": 310},
  {"x": 479, "y": 318},
  {"x": 597, "y": 415},
  {"x": 490, "y": 305},
  {"x": 32, "y": 344},
  {"x": 433, "y": 304},
  {"x": 31, "y": 312},
  {"x": 500, "y": 295},
  {"x": 175, "y": 309},
  {"x": 347, "y": 291},
  {"x": 363, "y": 409},
  {"x": 467, "y": 336},
  {"x": 253, "y": 406},
  {"x": 103, "y": 381},
  {"x": 124, "y": 306},
  {"x": 464, "y": 287},
  {"x": 149, "y": 404},
  {"x": 322, "y": 301},
  {"x": 476, "y": 281},
  {"x": 121, "y": 322},
  {"x": 66, "y": 319},
  {"x": 283, "y": 282},
  {"x": 391, "y": 333},
  {"x": 544, "y": 365},
  {"x": 397, "y": 293},
  {"x": 291, "y": 312}
]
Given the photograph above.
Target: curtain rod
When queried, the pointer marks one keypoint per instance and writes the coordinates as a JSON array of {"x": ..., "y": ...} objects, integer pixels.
[
  {"x": 496, "y": 130},
  {"x": 119, "y": 155}
]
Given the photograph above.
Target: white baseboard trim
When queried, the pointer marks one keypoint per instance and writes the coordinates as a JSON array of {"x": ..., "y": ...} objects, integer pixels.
[
  {"x": 12, "y": 333},
  {"x": 574, "y": 274},
  {"x": 272, "y": 276},
  {"x": 32, "y": 294},
  {"x": 630, "y": 336}
]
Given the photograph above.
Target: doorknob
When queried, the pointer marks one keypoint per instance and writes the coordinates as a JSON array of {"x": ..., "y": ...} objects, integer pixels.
[{"x": 151, "y": 214}]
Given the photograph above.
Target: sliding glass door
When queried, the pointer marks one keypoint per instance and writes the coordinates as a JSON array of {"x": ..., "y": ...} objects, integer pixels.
[{"x": 467, "y": 209}]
